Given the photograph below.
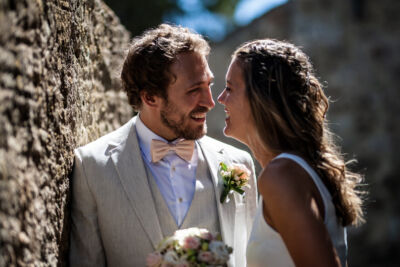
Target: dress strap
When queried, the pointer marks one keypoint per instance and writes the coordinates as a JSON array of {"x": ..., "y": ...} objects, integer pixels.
[{"x": 325, "y": 195}]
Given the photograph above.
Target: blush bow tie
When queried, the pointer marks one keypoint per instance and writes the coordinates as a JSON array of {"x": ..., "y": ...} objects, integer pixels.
[{"x": 183, "y": 149}]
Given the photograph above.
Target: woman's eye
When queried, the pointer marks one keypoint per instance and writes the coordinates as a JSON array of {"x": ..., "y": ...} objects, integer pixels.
[{"x": 228, "y": 89}]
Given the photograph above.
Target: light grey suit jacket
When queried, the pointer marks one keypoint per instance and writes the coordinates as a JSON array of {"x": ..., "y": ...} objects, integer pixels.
[{"x": 114, "y": 220}]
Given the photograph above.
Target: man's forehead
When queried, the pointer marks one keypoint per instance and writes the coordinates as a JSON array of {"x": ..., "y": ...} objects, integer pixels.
[
  {"x": 192, "y": 67},
  {"x": 188, "y": 58}
]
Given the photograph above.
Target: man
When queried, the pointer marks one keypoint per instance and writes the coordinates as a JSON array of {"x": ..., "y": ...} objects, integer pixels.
[{"x": 158, "y": 173}]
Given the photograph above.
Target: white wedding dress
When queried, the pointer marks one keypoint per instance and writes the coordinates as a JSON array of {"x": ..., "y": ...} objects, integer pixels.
[{"x": 266, "y": 247}]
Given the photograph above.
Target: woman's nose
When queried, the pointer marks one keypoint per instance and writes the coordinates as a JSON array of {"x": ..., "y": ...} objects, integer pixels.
[{"x": 221, "y": 98}]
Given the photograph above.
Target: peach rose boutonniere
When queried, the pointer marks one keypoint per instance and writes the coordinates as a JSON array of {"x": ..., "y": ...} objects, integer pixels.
[{"x": 235, "y": 177}]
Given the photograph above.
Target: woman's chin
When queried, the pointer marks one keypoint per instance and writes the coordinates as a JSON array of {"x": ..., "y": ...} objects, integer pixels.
[{"x": 227, "y": 131}]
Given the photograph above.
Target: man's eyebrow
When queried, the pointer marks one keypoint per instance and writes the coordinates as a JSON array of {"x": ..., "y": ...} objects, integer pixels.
[
  {"x": 201, "y": 82},
  {"x": 197, "y": 83}
]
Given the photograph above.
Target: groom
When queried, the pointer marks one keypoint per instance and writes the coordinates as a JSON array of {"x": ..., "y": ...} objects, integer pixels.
[{"x": 159, "y": 172}]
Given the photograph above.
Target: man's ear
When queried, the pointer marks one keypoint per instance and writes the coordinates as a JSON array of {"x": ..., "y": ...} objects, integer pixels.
[{"x": 149, "y": 99}]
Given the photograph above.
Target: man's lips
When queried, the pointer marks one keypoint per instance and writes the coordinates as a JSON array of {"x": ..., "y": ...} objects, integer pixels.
[
  {"x": 199, "y": 114},
  {"x": 199, "y": 117}
]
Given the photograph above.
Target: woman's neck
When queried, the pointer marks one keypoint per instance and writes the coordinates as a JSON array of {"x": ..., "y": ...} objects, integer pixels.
[
  {"x": 263, "y": 158},
  {"x": 262, "y": 155}
]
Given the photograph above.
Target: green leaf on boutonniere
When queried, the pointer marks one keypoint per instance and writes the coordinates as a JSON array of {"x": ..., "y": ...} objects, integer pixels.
[
  {"x": 223, "y": 166},
  {"x": 240, "y": 191},
  {"x": 224, "y": 194}
]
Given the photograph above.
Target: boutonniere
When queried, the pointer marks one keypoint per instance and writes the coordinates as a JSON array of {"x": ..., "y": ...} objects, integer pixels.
[{"x": 235, "y": 177}]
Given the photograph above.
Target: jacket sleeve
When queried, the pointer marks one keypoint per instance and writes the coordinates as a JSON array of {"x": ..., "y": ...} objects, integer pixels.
[{"x": 86, "y": 247}]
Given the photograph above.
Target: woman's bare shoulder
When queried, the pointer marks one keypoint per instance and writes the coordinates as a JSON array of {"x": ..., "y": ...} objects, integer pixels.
[{"x": 282, "y": 176}]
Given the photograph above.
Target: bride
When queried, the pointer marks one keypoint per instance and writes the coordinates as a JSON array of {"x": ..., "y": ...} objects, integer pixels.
[{"x": 275, "y": 105}]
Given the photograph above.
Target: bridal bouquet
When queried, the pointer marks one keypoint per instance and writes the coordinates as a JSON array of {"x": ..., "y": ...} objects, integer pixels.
[
  {"x": 234, "y": 177},
  {"x": 192, "y": 247}
]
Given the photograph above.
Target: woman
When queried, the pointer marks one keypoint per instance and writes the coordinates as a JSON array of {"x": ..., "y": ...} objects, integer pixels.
[{"x": 276, "y": 106}]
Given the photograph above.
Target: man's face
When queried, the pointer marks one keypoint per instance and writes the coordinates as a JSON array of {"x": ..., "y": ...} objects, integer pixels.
[{"x": 189, "y": 98}]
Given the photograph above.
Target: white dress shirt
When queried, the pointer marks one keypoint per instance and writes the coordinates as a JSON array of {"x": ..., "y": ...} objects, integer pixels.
[{"x": 174, "y": 176}]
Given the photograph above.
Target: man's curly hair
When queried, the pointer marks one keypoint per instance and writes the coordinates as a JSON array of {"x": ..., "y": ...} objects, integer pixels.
[{"x": 147, "y": 65}]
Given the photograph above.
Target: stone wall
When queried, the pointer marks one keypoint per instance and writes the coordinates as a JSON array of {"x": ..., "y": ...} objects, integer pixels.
[
  {"x": 354, "y": 45},
  {"x": 58, "y": 90}
]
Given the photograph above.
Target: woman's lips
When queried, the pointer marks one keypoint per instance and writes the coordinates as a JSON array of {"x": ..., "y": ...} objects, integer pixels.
[{"x": 226, "y": 114}]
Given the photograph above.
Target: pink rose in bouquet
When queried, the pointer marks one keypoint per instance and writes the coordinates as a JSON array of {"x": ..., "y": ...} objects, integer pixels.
[
  {"x": 191, "y": 242},
  {"x": 205, "y": 256},
  {"x": 154, "y": 259}
]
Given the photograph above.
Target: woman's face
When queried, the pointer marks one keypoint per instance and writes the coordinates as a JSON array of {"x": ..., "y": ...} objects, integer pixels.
[{"x": 237, "y": 107}]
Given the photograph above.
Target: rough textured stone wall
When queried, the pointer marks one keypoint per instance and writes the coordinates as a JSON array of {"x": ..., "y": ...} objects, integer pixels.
[
  {"x": 58, "y": 90},
  {"x": 354, "y": 45}
]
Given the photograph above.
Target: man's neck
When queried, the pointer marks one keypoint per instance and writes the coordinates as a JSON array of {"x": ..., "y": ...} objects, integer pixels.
[{"x": 154, "y": 123}]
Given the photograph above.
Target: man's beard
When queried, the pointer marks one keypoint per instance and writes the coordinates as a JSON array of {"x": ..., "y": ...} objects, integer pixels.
[{"x": 179, "y": 127}]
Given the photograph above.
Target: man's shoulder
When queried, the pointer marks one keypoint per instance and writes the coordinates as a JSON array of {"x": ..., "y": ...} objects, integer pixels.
[
  {"x": 101, "y": 145},
  {"x": 221, "y": 146}
]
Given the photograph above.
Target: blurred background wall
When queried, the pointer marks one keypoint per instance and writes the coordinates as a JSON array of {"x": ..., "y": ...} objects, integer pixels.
[{"x": 59, "y": 62}]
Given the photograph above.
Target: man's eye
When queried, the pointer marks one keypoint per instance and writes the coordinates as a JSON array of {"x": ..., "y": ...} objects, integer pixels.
[
  {"x": 228, "y": 89},
  {"x": 193, "y": 90}
]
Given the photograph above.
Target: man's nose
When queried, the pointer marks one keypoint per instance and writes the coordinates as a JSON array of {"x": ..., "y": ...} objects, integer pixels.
[{"x": 207, "y": 99}]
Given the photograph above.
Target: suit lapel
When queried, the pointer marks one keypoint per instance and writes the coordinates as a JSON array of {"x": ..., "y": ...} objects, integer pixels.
[
  {"x": 226, "y": 211},
  {"x": 130, "y": 167}
]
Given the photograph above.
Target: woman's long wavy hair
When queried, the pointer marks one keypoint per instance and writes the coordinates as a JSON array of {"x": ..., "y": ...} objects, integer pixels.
[{"x": 289, "y": 108}]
